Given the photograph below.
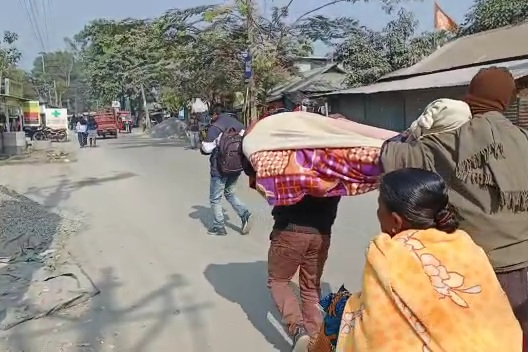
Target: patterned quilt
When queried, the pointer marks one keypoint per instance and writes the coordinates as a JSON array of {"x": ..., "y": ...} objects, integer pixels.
[{"x": 284, "y": 177}]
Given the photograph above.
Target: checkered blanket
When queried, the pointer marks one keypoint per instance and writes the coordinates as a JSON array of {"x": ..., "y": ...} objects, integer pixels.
[
  {"x": 299, "y": 154},
  {"x": 284, "y": 177}
]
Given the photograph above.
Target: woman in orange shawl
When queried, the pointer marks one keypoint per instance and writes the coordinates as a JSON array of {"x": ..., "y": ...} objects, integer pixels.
[{"x": 427, "y": 287}]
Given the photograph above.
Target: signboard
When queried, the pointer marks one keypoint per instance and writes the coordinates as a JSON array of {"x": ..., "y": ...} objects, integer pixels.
[
  {"x": 31, "y": 111},
  {"x": 248, "y": 72},
  {"x": 57, "y": 118},
  {"x": 116, "y": 104}
]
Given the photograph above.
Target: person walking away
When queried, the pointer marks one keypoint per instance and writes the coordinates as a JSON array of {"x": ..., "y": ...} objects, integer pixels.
[
  {"x": 485, "y": 165},
  {"x": 300, "y": 240},
  {"x": 73, "y": 122},
  {"x": 81, "y": 129},
  {"x": 193, "y": 130},
  {"x": 92, "y": 131},
  {"x": 222, "y": 182}
]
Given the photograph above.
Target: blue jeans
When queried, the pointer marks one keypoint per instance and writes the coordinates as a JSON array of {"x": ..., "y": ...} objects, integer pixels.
[{"x": 224, "y": 185}]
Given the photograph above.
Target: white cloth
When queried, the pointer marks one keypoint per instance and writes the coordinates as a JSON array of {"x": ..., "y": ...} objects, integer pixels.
[
  {"x": 208, "y": 147},
  {"x": 442, "y": 115},
  {"x": 80, "y": 128},
  {"x": 305, "y": 130}
]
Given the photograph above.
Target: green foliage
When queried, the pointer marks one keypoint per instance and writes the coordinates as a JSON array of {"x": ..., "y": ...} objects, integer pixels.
[
  {"x": 24, "y": 79},
  {"x": 9, "y": 54},
  {"x": 368, "y": 54},
  {"x": 196, "y": 52},
  {"x": 53, "y": 74},
  {"x": 490, "y": 14}
]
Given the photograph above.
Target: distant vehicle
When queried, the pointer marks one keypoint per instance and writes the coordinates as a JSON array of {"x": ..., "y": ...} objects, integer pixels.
[
  {"x": 106, "y": 123},
  {"x": 124, "y": 117}
]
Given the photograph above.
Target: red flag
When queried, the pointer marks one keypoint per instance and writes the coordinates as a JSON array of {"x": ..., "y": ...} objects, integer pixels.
[{"x": 442, "y": 21}]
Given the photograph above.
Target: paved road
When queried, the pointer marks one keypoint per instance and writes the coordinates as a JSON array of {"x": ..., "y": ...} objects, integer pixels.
[{"x": 165, "y": 284}]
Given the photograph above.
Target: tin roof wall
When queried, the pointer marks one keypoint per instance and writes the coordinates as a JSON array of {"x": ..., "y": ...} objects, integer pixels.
[
  {"x": 490, "y": 46},
  {"x": 454, "y": 78},
  {"x": 322, "y": 79}
]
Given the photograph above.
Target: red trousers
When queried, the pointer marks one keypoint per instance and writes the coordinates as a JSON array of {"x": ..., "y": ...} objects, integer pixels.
[{"x": 289, "y": 252}]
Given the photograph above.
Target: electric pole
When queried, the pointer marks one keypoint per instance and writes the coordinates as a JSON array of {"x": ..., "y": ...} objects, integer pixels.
[
  {"x": 145, "y": 107},
  {"x": 252, "y": 91}
]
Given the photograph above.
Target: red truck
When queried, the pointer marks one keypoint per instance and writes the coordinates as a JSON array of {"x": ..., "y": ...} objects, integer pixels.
[{"x": 106, "y": 123}]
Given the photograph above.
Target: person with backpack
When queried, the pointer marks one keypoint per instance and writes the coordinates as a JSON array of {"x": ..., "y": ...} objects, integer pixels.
[{"x": 224, "y": 145}]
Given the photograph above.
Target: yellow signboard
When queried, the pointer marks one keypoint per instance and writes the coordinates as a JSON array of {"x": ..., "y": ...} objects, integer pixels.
[{"x": 31, "y": 111}]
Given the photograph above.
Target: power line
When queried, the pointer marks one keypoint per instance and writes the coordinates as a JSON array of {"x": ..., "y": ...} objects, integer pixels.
[
  {"x": 30, "y": 18},
  {"x": 35, "y": 12},
  {"x": 45, "y": 17}
]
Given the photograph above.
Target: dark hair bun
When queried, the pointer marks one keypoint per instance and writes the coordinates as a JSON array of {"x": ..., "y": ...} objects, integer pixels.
[{"x": 447, "y": 219}]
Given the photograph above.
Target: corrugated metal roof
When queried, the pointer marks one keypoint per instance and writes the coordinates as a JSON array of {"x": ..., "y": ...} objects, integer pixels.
[
  {"x": 502, "y": 43},
  {"x": 460, "y": 77},
  {"x": 322, "y": 79},
  {"x": 326, "y": 82}
]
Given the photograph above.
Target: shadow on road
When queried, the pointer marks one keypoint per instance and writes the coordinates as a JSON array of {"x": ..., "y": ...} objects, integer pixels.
[
  {"x": 52, "y": 196},
  {"x": 205, "y": 216},
  {"x": 97, "y": 328},
  {"x": 137, "y": 143},
  {"x": 245, "y": 285}
]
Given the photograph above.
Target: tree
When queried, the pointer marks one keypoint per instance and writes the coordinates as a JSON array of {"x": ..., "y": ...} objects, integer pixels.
[
  {"x": 55, "y": 76},
  {"x": 9, "y": 54},
  {"x": 490, "y": 14},
  {"x": 368, "y": 54},
  {"x": 24, "y": 80},
  {"x": 103, "y": 51},
  {"x": 197, "y": 52}
]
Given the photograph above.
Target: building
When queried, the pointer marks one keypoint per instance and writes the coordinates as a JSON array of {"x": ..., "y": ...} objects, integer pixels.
[
  {"x": 11, "y": 103},
  {"x": 308, "y": 63},
  {"x": 316, "y": 81},
  {"x": 398, "y": 98}
]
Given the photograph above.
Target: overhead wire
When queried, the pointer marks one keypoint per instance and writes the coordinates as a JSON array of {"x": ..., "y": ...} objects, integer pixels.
[
  {"x": 45, "y": 5},
  {"x": 34, "y": 10},
  {"x": 32, "y": 23}
]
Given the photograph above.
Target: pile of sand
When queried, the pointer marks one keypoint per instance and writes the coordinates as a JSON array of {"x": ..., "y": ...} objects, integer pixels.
[{"x": 169, "y": 128}]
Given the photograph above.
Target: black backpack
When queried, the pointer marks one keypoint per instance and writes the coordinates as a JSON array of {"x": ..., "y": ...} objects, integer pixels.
[{"x": 229, "y": 153}]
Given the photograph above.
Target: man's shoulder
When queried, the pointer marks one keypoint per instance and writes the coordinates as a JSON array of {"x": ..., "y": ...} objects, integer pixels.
[{"x": 226, "y": 121}]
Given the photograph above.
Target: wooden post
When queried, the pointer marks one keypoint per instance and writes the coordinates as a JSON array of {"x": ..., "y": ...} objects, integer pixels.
[{"x": 252, "y": 89}]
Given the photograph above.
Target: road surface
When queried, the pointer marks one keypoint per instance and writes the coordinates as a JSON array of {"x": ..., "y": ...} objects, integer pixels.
[{"x": 165, "y": 284}]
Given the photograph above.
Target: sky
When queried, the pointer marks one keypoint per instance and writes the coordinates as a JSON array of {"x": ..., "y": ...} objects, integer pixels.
[{"x": 67, "y": 17}]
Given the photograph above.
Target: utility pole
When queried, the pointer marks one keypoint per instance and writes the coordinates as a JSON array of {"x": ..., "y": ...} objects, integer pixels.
[
  {"x": 56, "y": 94},
  {"x": 43, "y": 62},
  {"x": 76, "y": 99},
  {"x": 252, "y": 107},
  {"x": 145, "y": 107}
]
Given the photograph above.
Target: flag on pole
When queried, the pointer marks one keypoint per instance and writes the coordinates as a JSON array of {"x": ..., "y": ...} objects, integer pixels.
[{"x": 442, "y": 21}]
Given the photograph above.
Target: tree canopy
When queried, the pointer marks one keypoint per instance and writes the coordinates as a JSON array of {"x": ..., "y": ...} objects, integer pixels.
[
  {"x": 9, "y": 54},
  {"x": 485, "y": 15},
  {"x": 197, "y": 52},
  {"x": 369, "y": 54}
]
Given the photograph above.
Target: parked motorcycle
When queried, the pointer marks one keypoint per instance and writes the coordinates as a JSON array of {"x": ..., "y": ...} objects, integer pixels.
[
  {"x": 30, "y": 131},
  {"x": 54, "y": 135}
]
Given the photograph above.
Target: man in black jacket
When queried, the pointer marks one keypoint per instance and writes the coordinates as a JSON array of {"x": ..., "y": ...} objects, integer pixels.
[
  {"x": 223, "y": 184},
  {"x": 300, "y": 240}
]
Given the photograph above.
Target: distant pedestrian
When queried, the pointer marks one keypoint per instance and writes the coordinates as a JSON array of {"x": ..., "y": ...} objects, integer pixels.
[
  {"x": 81, "y": 129},
  {"x": 193, "y": 131},
  {"x": 223, "y": 169},
  {"x": 92, "y": 131}
]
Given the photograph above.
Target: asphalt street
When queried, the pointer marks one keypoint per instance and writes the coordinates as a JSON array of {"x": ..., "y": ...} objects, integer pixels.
[{"x": 165, "y": 284}]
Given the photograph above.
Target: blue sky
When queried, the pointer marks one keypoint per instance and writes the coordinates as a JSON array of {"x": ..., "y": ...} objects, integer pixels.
[{"x": 68, "y": 17}]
